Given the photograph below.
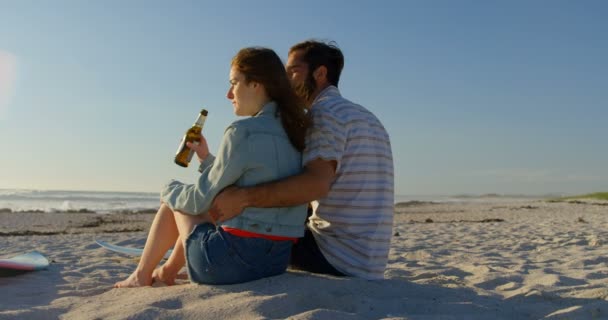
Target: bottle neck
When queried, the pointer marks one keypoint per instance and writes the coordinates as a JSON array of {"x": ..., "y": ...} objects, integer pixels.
[{"x": 200, "y": 120}]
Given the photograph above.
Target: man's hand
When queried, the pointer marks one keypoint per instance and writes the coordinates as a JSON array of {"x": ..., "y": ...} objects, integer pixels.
[
  {"x": 312, "y": 184},
  {"x": 228, "y": 204}
]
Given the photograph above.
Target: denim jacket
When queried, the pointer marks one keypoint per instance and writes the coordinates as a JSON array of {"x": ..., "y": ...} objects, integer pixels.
[{"x": 253, "y": 151}]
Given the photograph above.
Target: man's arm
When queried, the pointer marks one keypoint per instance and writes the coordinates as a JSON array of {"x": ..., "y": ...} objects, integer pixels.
[{"x": 312, "y": 184}]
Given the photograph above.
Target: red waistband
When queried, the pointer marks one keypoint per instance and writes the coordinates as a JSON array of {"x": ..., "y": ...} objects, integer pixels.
[{"x": 248, "y": 234}]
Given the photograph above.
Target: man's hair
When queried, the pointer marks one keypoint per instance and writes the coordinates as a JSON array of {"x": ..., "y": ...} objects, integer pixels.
[{"x": 317, "y": 53}]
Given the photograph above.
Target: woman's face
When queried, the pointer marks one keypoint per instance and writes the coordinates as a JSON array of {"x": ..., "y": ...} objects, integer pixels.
[{"x": 245, "y": 97}]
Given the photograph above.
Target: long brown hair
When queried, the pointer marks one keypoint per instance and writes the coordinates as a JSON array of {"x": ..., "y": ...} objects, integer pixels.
[{"x": 263, "y": 65}]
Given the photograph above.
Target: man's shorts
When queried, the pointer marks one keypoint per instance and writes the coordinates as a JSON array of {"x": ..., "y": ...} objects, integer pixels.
[
  {"x": 214, "y": 256},
  {"x": 306, "y": 255}
]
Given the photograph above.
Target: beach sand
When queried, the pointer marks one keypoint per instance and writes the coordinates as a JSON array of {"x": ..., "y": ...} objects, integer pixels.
[{"x": 479, "y": 260}]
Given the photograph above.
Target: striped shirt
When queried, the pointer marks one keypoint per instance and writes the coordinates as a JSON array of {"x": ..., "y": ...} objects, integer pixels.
[{"x": 353, "y": 224}]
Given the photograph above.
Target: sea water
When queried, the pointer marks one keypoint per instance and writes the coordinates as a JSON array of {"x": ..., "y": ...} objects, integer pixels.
[{"x": 17, "y": 200}]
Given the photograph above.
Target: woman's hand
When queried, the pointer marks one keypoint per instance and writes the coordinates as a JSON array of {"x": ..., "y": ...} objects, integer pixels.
[{"x": 201, "y": 148}]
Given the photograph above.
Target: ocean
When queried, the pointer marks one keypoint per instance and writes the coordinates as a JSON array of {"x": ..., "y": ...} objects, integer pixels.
[{"x": 18, "y": 200}]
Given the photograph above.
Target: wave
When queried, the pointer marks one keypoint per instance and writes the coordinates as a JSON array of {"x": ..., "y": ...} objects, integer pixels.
[
  {"x": 84, "y": 195},
  {"x": 17, "y": 200},
  {"x": 82, "y": 210}
]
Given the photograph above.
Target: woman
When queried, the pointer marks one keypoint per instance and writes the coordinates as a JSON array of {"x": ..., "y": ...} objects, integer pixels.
[{"x": 264, "y": 147}]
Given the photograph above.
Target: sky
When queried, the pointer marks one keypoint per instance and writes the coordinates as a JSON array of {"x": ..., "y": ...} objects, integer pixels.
[{"x": 478, "y": 97}]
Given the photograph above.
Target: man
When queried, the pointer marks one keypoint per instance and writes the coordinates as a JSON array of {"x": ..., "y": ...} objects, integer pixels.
[{"x": 348, "y": 171}]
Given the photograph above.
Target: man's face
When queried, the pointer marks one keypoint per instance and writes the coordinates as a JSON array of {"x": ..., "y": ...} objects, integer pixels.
[{"x": 300, "y": 77}]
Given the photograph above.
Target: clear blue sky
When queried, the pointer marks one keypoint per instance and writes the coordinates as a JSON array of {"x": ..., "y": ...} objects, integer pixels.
[{"x": 477, "y": 96}]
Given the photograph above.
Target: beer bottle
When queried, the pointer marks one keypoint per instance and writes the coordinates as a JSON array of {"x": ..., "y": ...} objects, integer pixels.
[{"x": 184, "y": 154}]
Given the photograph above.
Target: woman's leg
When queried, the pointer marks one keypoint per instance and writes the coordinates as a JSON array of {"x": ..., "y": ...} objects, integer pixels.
[
  {"x": 185, "y": 224},
  {"x": 162, "y": 236},
  {"x": 169, "y": 270}
]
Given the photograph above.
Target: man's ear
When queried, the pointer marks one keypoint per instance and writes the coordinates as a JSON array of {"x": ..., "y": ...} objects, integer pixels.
[{"x": 320, "y": 73}]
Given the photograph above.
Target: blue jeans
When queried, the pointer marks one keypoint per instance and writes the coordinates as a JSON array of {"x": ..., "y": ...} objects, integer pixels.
[{"x": 214, "y": 256}]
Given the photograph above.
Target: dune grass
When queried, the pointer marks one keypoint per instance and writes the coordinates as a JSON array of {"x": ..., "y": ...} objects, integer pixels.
[{"x": 593, "y": 196}]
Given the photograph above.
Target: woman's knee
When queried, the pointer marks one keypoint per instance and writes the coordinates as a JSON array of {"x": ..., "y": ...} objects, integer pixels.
[{"x": 186, "y": 223}]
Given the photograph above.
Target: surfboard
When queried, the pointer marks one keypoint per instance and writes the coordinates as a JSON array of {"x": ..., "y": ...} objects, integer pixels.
[
  {"x": 26, "y": 262},
  {"x": 130, "y": 251}
]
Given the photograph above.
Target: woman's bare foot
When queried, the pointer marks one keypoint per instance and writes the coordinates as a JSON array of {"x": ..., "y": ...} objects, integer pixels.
[
  {"x": 136, "y": 279},
  {"x": 164, "y": 275}
]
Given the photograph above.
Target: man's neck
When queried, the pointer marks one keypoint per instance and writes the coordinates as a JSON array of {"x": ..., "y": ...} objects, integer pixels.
[{"x": 314, "y": 96}]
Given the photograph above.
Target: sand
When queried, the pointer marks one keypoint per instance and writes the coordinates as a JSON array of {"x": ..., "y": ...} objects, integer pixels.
[{"x": 480, "y": 260}]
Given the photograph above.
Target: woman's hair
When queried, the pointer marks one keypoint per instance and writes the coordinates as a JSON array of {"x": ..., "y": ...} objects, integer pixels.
[{"x": 264, "y": 66}]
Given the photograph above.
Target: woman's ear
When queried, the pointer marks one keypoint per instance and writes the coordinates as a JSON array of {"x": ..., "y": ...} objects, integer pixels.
[{"x": 258, "y": 87}]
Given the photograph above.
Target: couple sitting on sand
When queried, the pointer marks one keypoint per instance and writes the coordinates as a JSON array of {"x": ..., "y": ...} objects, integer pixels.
[{"x": 302, "y": 142}]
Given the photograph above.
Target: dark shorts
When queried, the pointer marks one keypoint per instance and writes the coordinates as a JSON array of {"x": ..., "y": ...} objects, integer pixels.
[
  {"x": 214, "y": 256},
  {"x": 306, "y": 255}
]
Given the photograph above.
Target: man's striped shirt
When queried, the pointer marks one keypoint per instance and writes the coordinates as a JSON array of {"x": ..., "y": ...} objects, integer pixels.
[{"x": 353, "y": 224}]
